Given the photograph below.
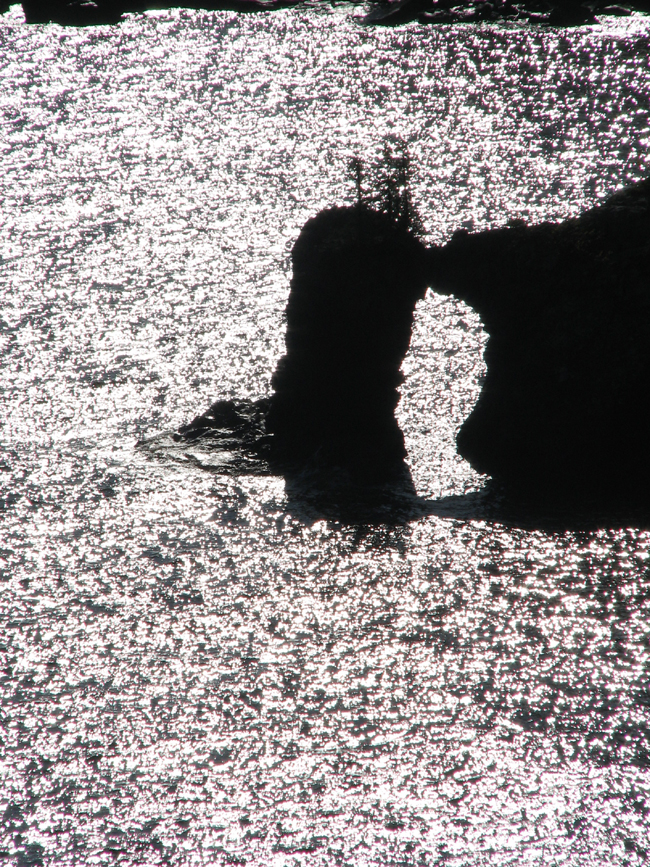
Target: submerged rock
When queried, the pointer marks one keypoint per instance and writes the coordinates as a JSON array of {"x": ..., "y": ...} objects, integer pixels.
[
  {"x": 233, "y": 425},
  {"x": 563, "y": 412}
]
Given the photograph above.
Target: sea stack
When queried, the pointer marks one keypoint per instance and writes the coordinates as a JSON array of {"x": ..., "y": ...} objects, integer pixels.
[{"x": 357, "y": 275}]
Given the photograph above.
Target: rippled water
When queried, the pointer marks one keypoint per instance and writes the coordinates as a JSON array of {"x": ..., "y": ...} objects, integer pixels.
[{"x": 196, "y": 670}]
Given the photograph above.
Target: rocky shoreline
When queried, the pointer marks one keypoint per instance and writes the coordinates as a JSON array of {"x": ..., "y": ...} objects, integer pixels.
[{"x": 561, "y": 13}]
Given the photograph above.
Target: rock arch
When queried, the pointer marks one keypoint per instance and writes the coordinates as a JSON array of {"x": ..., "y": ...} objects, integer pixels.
[{"x": 563, "y": 411}]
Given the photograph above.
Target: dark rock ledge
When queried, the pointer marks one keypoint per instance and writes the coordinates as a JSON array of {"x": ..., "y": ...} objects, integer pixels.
[
  {"x": 81, "y": 13},
  {"x": 561, "y": 13},
  {"x": 563, "y": 415},
  {"x": 557, "y": 13}
]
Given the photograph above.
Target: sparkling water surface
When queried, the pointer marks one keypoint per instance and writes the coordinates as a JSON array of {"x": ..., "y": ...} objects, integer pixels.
[{"x": 197, "y": 670}]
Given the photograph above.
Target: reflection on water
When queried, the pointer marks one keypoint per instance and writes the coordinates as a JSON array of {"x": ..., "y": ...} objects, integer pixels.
[{"x": 195, "y": 672}]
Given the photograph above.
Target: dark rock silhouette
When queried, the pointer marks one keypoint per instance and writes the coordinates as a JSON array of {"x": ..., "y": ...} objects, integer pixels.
[
  {"x": 356, "y": 279},
  {"x": 236, "y": 427},
  {"x": 563, "y": 412},
  {"x": 357, "y": 276},
  {"x": 81, "y": 13},
  {"x": 561, "y": 13},
  {"x": 74, "y": 12},
  {"x": 562, "y": 419}
]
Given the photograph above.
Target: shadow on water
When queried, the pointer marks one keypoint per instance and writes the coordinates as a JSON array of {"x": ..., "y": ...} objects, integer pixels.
[
  {"x": 314, "y": 490},
  {"x": 494, "y": 504},
  {"x": 322, "y": 493}
]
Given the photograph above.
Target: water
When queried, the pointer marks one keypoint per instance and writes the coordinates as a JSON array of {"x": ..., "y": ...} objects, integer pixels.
[{"x": 197, "y": 671}]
